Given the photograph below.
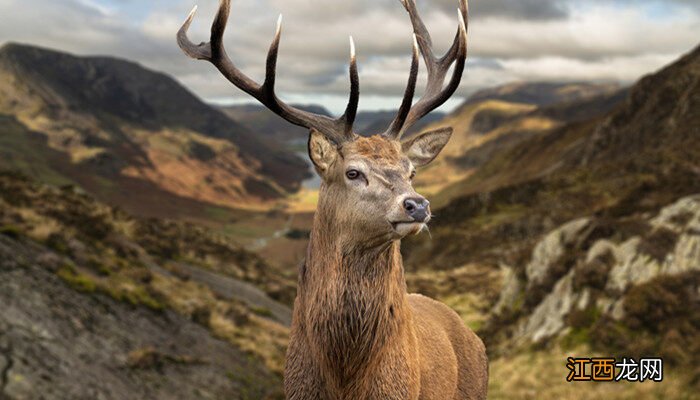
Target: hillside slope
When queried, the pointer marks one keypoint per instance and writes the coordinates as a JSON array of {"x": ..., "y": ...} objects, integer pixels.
[
  {"x": 499, "y": 118},
  {"x": 259, "y": 119},
  {"x": 109, "y": 272},
  {"x": 131, "y": 136},
  {"x": 59, "y": 343}
]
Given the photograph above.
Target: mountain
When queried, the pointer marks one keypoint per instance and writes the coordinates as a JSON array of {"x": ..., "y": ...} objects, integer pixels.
[
  {"x": 259, "y": 119},
  {"x": 542, "y": 93},
  {"x": 100, "y": 304},
  {"x": 499, "y": 118},
  {"x": 595, "y": 224},
  {"x": 131, "y": 136},
  {"x": 375, "y": 122}
]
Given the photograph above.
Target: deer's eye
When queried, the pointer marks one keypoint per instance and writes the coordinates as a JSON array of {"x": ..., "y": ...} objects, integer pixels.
[
  {"x": 353, "y": 174},
  {"x": 413, "y": 175}
]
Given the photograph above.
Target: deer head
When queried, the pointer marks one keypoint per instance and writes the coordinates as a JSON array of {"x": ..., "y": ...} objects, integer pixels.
[{"x": 366, "y": 187}]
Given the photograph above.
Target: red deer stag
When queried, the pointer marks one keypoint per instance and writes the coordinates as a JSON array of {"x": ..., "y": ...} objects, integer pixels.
[{"x": 356, "y": 332}]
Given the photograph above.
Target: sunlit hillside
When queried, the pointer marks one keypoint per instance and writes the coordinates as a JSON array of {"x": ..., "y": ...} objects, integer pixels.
[
  {"x": 133, "y": 137},
  {"x": 493, "y": 120}
]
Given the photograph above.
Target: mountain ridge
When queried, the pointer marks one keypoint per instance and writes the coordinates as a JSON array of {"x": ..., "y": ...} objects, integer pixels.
[{"x": 133, "y": 126}]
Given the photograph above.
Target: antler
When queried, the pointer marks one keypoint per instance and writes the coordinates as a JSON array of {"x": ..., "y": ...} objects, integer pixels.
[
  {"x": 339, "y": 130},
  {"x": 435, "y": 95}
]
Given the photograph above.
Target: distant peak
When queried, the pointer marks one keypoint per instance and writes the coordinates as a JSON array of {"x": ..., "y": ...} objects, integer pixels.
[
  {"x": 12, "y": 47},
  {"x": 694, "y": 54}
]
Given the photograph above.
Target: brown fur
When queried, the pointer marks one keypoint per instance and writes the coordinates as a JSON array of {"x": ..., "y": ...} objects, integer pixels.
[
  {"x": 375, "y": 148},
  {"x": 356, "y": 332}
]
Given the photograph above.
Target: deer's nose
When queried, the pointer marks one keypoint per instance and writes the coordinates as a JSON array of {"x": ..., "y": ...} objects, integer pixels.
[{"x": 418, "y": 208}]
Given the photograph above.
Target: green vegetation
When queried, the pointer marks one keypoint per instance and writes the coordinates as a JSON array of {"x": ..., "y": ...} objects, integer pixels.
[
  {"x": 26, "y": 151},
  {"x": 542, "y": 375},
  {"x": 12, "y": 231},
  {"x": 262, "y": 311},
  {"x": 78, "y": 281},
  {"x": 137, "y": 296}
]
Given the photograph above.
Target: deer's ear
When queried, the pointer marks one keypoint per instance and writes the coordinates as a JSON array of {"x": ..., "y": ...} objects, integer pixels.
[
  {"x": 322, "y": 151},
  {"x": 423, "y": 149}
]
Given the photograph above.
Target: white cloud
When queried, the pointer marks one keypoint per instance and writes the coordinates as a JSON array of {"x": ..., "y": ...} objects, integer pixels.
[
  {"x": 509, "y": 39},
  {"x": 594, "y": 32}
]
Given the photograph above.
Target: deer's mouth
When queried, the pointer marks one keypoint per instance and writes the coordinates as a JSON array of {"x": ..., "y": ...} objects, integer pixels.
[{"x": 405, "y": 228}]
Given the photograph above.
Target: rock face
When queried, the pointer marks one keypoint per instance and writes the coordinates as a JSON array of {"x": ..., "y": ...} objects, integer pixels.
[
  {"x": 682, "y": 218},
  {"x": 548, "y": 251},
  {"x": 601, "y": 276},
  {"x": 56, "y": 343}
]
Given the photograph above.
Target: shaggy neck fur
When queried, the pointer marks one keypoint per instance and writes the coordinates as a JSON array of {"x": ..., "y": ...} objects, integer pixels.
[{"x": 353, "y": 299}]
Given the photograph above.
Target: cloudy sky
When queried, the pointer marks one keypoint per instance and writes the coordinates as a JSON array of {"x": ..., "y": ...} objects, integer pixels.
[{"x": 509, "y": 40}]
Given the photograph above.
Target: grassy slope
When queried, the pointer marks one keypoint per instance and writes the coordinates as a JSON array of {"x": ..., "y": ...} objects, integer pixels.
[
  {"x": 23, "y": 150},
  {"x": 102, "y": 250}
]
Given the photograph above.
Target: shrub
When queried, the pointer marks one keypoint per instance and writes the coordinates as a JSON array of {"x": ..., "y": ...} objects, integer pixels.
[
  {"x": 659, "y": 243},
  {"x": 262, "y": 311},
  {"x": 594, "y": 274}
]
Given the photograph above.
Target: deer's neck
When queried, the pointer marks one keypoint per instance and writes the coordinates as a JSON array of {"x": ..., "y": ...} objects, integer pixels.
[{"x": 353, "y": 304}]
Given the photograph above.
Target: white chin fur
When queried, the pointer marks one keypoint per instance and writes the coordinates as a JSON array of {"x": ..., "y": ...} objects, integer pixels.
[{"x": 406, "y": 229}]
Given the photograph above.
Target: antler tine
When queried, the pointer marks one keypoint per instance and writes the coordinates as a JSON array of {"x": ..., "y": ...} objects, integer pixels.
[
  {"x": 464, "y": 19},
  {"x": 424, "y": 40},
  {"x": 397, "y": 124},
  {"x": 201, "y": 51},
  {"x": 271, "y": 64},
  {"x": 339, "y": 130},
  {"x": 348, "y": 117},
  {"x": 435, "y": 94}
]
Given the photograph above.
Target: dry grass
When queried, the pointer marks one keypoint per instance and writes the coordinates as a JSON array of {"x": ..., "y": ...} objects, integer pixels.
[
  {"x": 303, "y": 201},
  {"x": 469, "y": 306},
  {"x": 230, "y": 321},
  {"x": 40, "y": 226},
  {"x": 261, "y": 337},
  {"x": 542, "y": 376},
  {"x": 81, "y": 154}
]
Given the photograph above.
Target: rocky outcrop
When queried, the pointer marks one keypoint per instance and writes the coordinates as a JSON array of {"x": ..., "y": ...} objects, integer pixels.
[
  {"x": 551, "y": 249},
  {"x": 58, "y": 343},
  {"x": 600, "y": 277}
]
